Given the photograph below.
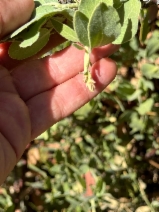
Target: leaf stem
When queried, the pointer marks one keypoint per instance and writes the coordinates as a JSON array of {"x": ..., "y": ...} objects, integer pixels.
[
  {"x": 86, "y": 60},
  {"x": 90, "y": 83},
  {"x": 144, "y": 196}
]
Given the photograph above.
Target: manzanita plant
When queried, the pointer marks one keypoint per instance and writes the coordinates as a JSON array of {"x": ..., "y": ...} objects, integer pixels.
[{"x": 84, "y": 23}]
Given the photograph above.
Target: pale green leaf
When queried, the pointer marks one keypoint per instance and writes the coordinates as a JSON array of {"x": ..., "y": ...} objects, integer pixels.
[
  {"x": 80, "y": 47},
  {"x": 87, "y": 7},
  {"x": 125, "y": 90},
  {"x": 68, "y": 13},
  {"x": 155, "y": 203},
  {"x": 145, "y": 107},
  {"x": 38, "y": 170},
  {"x": 129, "y": 14},
  {"x": 144, "y": 25},
  {"x": 104, "y": 26},
  {"x": 116, "y": 4},
  {"x": 64, "y": 30},
  {"x": 153, "y": 44},
  {"x": 99, "y": 185},
  {"x": 150, "y": 71},
  {"x": 136, "y": 123},
  {"x": 29, "y": 41},
  {"x": 32, "y": 34},
  {"x": 80, "y": 26},
  {"x": 18, "y": 53},
  {"x": 39, "y": 13},
  {"x": 61, "y": 47},
  {"x": 81, "y": 180}
]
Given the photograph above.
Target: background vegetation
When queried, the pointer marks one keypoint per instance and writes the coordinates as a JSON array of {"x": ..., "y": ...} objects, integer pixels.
[{"x": 104, "y": 157}]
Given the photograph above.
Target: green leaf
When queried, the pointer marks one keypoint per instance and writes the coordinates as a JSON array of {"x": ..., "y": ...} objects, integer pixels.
[
  {"x": 84, "y": 168},
  {"x": 31, "y": 35},
  {"x": 75, "y": 153},
  {"x": 81, "y": 180},
  {"x": 87, "y": 7},
  {"x": 145, "y": 85},
  {"x": 99, "y": 185},
  {"x": 59, "y": 156},
  {"x": 61, "y": 47},
  {"x": 155, "y": 204},
  {"x": 38, "y": 170},
  {"x": 80, "y": 47},
  {"x": 104, "y": 26},
  {"x": 129, "y": 14},
  {"x": 145, "y": 107},
  {"x": 125, "y": 90},
  {"x": 136, "y": 123},
  {"x": 117, "y": 4},
  {"x": 153, "y": 44},
  {"x": 68, "y": 13},
  {"x": 18, "y": 53},
  {"x": 150, "y": 71},
  {"x": 80, "y": 26},
  {"x": 29, "y": 41},
  {"x": 39, "y": 13},
  {"x": 64, "y": 30},
  {"x": 145, "y": 26}
]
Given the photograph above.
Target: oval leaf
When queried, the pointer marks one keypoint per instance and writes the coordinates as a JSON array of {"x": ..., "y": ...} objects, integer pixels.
[
  {"x": 18, "y": 53},
  {"x": 87, "y": 7},
  {"x": 129, "y": 14},
  {"x": 80, "y": 25},
  {"x": 39, "y": 13},
  {"x": 31, "y": 35},
  {"x": 104, "y": 26},
  {"x": 64, "y": 30}
]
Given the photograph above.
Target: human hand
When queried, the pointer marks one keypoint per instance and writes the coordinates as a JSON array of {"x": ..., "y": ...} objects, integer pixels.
[{"x": 37, "y": 93}]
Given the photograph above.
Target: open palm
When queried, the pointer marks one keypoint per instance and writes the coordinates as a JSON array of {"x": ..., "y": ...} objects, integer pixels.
[{"x": 36, "y": 93}]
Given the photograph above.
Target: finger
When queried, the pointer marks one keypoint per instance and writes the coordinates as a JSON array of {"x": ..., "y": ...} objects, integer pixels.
[
  {"x": 14, "y": 131},
  {"x": 7, "y": 157},
  {"x": 14, "y": 121},
  {"x": 61, "y": 101},
  {"x": 41, "y": 75},
  {"x": 104, "y": 51},
  {"x": 6, "y": 83},
  {"x": 38, "y": 76},
  {"x": 13, "y": 14}
]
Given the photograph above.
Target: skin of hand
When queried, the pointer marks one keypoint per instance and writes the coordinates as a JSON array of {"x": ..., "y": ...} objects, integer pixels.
[{"x": 36, "y": 93}]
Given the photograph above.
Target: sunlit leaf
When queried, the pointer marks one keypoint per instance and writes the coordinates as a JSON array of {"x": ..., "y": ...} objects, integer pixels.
[
  {"x": 129, "y": 14},
  {"x": 104, "y": 26},
  {"x": 16, "y": 52}
]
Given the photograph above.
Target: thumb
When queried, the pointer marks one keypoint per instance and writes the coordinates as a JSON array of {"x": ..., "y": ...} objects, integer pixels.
[{"x": 14, "y": 13}]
